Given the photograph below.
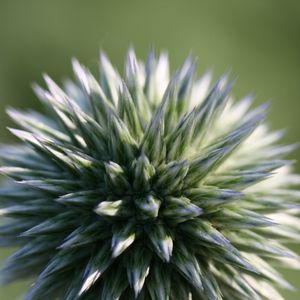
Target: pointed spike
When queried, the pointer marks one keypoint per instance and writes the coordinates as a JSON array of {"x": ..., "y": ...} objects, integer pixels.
[
  {"x": 234, "y": 257},
  {"x": 205, "y": 232},
  {"x": 179, "y": 210},
  {"x": 116, "y": 178},
  {"x": 210, "y": 108},
  {"x": 200, "y": 89},
  {"x": 114, "y": 283},
  {"x": 153, "y": 144},
  {"x": 58, "y": 223},
  {"x": 122, "y": 146},
  {"x": 138, "y": 266},
  {"x": 147, "y": 207},
  {"x": 36, "y": 123},
  {"x": 112, "y": 209},
  {"x": 188, "y": 265},
  {"x": 128, "y": 111},
  {"x": 159, "y": 281},
  {"x": 122, "y": 238},
  {"x": 209, "y": 197},
  {"x": 170, "y": 177},
  {"x": 143, "y": 172},
  {"x": 96, "y": 267},
  {"x": 109, "y": 78},
  {"x": 181, "y": 136},
  {"x": 201, "y": 165},
  {"x": 81, "y": 74},
  {"x": 161, "y": 241}
]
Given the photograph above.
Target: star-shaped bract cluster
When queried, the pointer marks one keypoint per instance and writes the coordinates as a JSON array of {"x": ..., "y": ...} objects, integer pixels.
[{"x": 147, "y": 187}]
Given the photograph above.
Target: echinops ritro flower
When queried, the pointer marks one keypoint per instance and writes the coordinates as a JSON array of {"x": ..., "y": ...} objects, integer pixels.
[{"x": 146, "y": 186}]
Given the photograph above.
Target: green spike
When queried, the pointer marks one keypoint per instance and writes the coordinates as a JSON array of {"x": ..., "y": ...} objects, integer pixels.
[
  {"x": 59, "y": 223},
  {"x": 153, "y": 145},
  {"x": 210, "y": 108},
  {"x": 161, "y": 241},
  {"x": 179, "y": 210},
  {"x": 122, "y": 144},
  {"x": 187, "y": 265},
  {"x": 158, "y": 282},
  {"x": 143, "y": 172},
  {"x": 122, "y": 238},
  {"x": 116, "y": 178},
  {"x": 147, "y": 207},
  {"x": 86, "y": 234},
  {"x": 211, "y": 197},
  {"x": 138, "y": 266},
  {"x": 95, "y": 268},
  {"x": 170, "y": 178},
  {"x": 112, "y": 209},
  {"x": 109, "y": 78},
  {"x": 203, "y": 164},
  {"x": 180, "y": 138},
  {"x": 114, "y": 284},
  {"x": 203, "y": 232},
  {"x": 128, "y": 111}
]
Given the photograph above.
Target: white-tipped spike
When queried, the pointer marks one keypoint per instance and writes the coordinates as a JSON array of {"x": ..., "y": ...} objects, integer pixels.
[
  {"x": 121, "y": 243},
  {"x": 200, "y": 89},
  {"x": 81, "y": 74},
  {"x": 109, "y": 208},
  {"x": 89, "y": 282}
]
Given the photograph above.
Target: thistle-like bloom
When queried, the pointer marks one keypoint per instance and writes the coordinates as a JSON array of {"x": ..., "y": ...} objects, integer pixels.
[{"x": 147, "y": 187}]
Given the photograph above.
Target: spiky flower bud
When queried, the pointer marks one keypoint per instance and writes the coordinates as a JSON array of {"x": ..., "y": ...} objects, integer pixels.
[{"x": 147, "y": 187}]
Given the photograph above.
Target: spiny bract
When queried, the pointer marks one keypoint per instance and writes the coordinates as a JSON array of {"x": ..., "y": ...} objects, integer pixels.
[{"x": 147, "y": 187}]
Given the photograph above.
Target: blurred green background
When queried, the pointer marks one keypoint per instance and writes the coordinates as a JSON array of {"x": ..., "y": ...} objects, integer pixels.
[{"x": 259, "y": 40}]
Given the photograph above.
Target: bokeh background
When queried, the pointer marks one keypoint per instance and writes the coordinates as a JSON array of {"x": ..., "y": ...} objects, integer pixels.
[{"x": 258, "y": 40}]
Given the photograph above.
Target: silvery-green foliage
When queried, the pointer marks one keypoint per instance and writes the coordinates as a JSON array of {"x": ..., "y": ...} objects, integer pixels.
[{"x": 145, "y": 186}]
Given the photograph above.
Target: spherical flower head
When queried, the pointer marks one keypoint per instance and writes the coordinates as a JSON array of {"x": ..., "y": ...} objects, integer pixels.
[{"x": 146, "y": 186}]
